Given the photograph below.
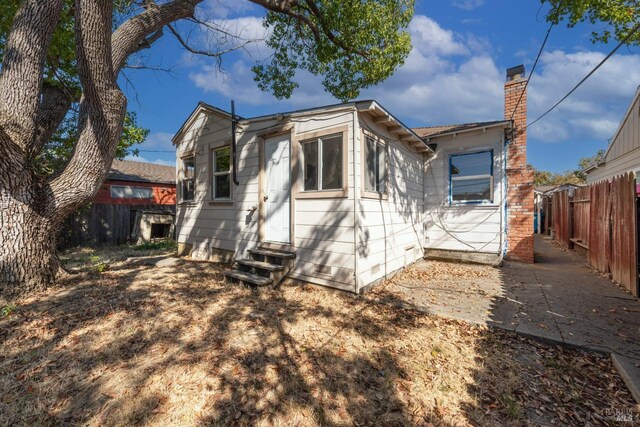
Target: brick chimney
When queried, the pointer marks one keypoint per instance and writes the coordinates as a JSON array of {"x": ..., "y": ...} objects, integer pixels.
[{"x": 519, "y": 177}]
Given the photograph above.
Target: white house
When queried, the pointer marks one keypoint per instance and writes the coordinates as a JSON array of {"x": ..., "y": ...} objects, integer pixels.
[
  {"x": 623, "y": 152},
  {"x": 341, "y": 195}
]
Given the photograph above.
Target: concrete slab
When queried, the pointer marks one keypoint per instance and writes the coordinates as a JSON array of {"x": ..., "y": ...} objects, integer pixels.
[
  {"x": 558, "y": 299},
  {"x": 630, "y": 373}
]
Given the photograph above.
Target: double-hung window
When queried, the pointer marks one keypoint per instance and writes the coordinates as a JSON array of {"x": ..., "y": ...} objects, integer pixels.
[
  {"x": 322, "y": 163},
  {"x": 187, "y": 181},
  {"x": 221, "y": 173},
  {"x": 471, "y": 177},
  {"x": 376, "y": 165}
]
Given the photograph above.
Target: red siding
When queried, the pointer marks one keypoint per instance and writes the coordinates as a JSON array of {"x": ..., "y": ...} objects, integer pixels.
[{"x": 163, "y": 194}]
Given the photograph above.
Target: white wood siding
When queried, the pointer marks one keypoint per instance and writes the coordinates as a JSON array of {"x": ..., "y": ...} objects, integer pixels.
[
  {"x": 470, "y": 227},
  {"x": 390, "y": 231},
  {"x": 624, "y": 152},
  {"x": 323, "y": 228}
]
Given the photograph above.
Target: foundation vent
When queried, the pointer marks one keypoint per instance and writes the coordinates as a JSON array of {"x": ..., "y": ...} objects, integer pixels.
[{"x": 322, "y": 269}]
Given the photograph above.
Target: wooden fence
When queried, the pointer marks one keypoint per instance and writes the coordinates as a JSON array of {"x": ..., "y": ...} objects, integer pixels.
[
  {"x": 102, "y": 224},
  {"x": 601, "y": 218}
]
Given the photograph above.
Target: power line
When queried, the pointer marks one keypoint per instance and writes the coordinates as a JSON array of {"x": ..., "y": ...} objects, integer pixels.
[
  {"x": 624, "y": 41},
  {"x": 544, "y": 42},
  {"x": 156, "y": 151}
]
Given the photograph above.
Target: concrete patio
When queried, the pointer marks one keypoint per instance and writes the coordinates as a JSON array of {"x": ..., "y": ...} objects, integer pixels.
[{"x": 559, "y": 298}]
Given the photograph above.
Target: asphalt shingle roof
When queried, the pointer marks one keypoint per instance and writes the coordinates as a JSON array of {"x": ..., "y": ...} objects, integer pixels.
[
  {"x": 125, "y": 170},
  {"x": 429, "y": 131}
]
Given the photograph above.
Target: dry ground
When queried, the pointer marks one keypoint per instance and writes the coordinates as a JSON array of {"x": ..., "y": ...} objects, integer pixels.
[{"x": 176, "y": 346}]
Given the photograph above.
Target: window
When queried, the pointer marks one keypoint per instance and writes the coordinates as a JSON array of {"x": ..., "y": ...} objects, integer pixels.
[
  {"x": 128, "y": 192},
  {"x": 322, "y": 163},
  {"x": 375, "y": 155},
  {"x": 187, "y": 183},
  {"x": 471, "y": 177},
  {"x": 221, "y": 173}
]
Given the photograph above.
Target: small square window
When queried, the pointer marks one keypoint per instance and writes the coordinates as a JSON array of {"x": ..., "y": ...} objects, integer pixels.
[{"x": 471, "y": 177}]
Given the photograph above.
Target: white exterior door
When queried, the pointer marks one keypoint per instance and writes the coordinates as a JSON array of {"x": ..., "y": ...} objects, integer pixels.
[{"x": 277, "y": 188}]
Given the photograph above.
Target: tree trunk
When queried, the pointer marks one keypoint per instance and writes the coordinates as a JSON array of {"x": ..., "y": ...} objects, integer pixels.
[
  {"x": 28, "y": 260},
  {"x": 32, "y": 207}
]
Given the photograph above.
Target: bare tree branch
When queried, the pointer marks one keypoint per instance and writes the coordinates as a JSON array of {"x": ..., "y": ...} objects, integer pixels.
[
  {"x": 211, "y": 54},
  {"x": 132, "y": 35}
]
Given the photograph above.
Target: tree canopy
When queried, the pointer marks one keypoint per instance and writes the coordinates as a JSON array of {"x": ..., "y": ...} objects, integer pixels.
[
  {"x": 574, "y": 176},
  {"x": 621, "y": 17}
]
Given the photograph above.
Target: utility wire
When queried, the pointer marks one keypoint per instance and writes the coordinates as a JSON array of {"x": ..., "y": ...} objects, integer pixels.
[
  {"x": 544, "y": 42},
  {"x": 624, "y": 41}
]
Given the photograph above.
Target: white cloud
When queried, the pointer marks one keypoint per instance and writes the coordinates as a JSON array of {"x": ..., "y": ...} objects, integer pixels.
[
  {"x": 452, "y": 78},
  {"x": 468, "y": 4},
  {"x": 430, "y": 38},
  {"x": 594, "y": 110}
]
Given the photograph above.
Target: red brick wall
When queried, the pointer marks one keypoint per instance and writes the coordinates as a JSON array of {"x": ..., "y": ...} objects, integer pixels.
[
  {"x": 163, "y": 194},
  {"x": 519, "y": 177}
]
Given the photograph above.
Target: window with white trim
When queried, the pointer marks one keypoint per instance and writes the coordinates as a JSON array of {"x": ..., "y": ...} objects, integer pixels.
[
  {"x": 375, "y": 154},
  {"x": 471, "y": 177},
  {"x": 322, "y": 163},
  {"x": 129, "y": 192},
  {"x": 221, "y": 173},
  {"x": 187, "y": 180}
]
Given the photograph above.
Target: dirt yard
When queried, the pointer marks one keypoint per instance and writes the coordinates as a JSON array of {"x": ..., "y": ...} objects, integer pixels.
[{"x": 126, "y": 343}]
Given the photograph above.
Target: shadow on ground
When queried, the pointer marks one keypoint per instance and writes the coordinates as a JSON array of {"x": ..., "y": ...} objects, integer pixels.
[{"x": 140, "y": 345}]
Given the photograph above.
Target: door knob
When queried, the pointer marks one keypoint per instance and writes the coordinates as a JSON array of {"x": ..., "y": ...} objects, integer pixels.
[{"x": 265, "y": 198}]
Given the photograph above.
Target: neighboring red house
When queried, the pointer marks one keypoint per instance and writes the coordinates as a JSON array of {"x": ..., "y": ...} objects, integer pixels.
[
  {"x": 135, "y": 183},
  {"x": 131, "y": 188}
]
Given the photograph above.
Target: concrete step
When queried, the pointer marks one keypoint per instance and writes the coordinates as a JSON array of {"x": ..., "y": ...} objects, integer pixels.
[
  {"x": 248, "y": 278},
  {"x": 260, "y": 265}
]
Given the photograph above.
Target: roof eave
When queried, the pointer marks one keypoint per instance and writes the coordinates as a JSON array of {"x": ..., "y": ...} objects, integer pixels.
[
  {"x": 504, "y": 123},
  {"x": 202, "y": 106},
  {"x": 404, "y": 133}
]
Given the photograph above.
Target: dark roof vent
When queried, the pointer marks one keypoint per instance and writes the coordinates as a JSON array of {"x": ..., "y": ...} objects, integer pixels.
[{"x": 515, "y": 73}]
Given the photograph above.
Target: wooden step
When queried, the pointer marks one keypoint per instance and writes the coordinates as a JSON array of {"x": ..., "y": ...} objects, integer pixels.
[
  {"x": 260, "y": 264},
  {"x": 253, "y": 279},
  {"x": 272, "y": 253}
]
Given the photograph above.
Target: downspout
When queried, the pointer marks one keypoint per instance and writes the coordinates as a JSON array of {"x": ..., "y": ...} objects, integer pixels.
[
  {"x": 234, "y": 122},
  {"x": 356, "y": 213},
  {"x": 505, "y": 186}
]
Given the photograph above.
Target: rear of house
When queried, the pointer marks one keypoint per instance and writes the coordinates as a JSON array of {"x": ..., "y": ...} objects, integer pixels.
[
  {"x": 302, "y": 188},
  {"x": 345, "y": 195}
]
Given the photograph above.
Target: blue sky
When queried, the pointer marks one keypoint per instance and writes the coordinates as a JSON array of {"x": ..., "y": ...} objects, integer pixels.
[{"x": 454, "y": 74}]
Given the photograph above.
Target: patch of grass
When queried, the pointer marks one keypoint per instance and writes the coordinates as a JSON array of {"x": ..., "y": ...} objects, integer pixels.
[
  {"x": 163, "y": 244},
  {"x": 511, "y": 406},
  {"x": 8, "y": 310}
]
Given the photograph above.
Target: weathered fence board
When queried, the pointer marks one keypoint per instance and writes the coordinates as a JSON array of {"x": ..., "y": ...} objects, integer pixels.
[
  {"x": 624, "y": 262},
  {"x": 580, "y": 205},
  {"x": 599, "y": 226},
  {"x": 561, "y": 218}
]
